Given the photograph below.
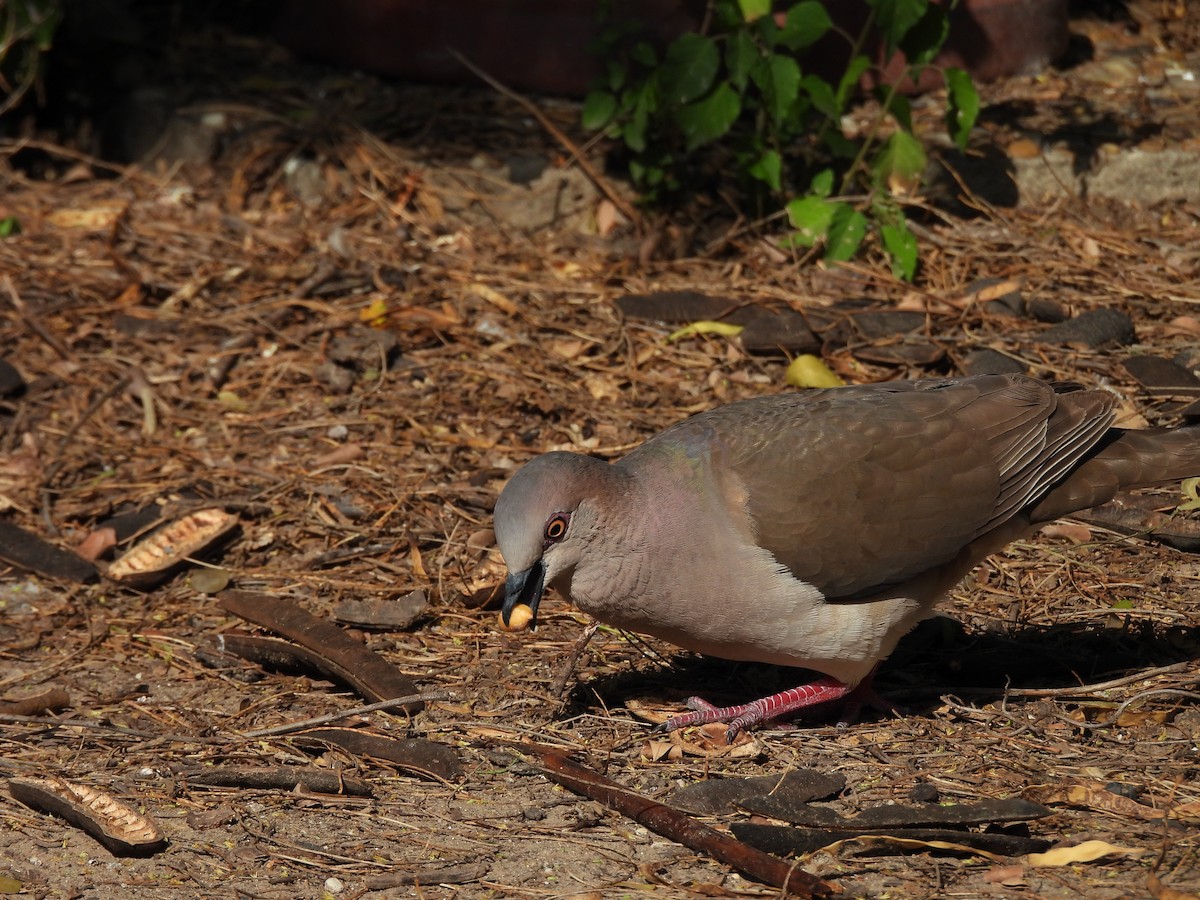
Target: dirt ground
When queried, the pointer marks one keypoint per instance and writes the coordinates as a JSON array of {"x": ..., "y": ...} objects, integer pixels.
[{"x": 343, "y": 309}]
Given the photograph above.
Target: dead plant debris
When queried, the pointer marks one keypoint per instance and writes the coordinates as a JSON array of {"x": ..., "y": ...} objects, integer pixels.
[{"x": 344, "y": 324}]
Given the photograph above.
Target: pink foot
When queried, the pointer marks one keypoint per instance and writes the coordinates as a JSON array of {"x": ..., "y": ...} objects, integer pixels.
[{"x": 748, "y": 715}]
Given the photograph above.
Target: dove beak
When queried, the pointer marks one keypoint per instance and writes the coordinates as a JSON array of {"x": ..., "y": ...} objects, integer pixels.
[{"x": 524, "y": 588}]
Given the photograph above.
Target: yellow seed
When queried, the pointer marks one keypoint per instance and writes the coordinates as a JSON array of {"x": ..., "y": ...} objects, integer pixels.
[{"x": 518, "y": 620}]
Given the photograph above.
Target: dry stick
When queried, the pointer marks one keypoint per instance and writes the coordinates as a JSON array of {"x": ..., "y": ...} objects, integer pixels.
[
  {"x": 576, "y": 154},
  {"x": 560, "y": 683},
  {"x": 289, "y": 727},
  {"x": 681, "y": 828},
  {"x": 32, "y": 323},
  {"x": 1101, "y": 686}
]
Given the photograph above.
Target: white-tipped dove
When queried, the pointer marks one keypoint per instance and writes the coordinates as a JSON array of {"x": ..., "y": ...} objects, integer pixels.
[{"x": 814, "y": 529}]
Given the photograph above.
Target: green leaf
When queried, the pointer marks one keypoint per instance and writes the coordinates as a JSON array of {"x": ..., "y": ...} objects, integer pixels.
[
  {"x": 710, "y": 118},
  {"x": 754, "y": 9},
  {"x": 925, "y": 38},
  {"x": 9, "y": 226},
  {"x": 617, "y": 74},
  {"x": 821, "y": 94},
  {"x": 689, "y": 69},
  {"x": 900, "y": 109},
  {"x": 806, "y": 23},
  {"x": 643, "y": 54},
  {"x": 895, "y": 17},
  {"x": 839, "y": 145},
  {"x": 811, "y": 217},
  {"x": 902, "y": 248},
  {"x": 846, "y": 232},
  {"x": 778, "y": 77},
  {"x": 598, "y": 110},
  {"x": 740, "y": 57},
  {"x": 962, "y": 106},
  {"x": 849, "y": 80},
  {"x": 822, "y": 183},
  {"x": 644, "y": 102},
  {"x": 769, "y": 169},
  {"x": 902, "y": 161}
]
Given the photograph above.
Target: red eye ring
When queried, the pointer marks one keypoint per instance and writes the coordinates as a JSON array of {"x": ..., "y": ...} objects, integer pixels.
[{"x": 556, "y": 528}]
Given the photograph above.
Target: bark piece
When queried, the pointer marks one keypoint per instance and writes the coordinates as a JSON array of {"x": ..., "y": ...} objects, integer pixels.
[
  {"x": 323, "y": 645},
  {"x": 422, "y": 757},
  {"x": 48, "y": 701},
  {"x": 1095, "y": 328},
  {"x": 278, "y": 778},
  {"x": 716, "y": 796},
  {"x": 1162, "y": 377},
  {"x": 28, "y": 551}
]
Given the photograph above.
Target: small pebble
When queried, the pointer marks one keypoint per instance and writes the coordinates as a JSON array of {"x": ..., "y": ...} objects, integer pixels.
[
  {"x": 334, "y": 885},
  {"x": 338, "y": 433}
]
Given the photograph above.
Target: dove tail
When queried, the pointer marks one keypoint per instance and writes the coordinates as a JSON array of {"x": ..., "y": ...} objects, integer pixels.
[{"x": 1126, "y": 459}]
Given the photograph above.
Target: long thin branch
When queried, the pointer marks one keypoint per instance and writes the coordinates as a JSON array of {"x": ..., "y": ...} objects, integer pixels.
[
  {"x": 680, "y": 827},
  {"x": 593, "y": 176}
]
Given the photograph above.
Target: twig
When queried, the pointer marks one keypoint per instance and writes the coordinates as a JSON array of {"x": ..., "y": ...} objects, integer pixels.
[
  {"x": 560, "y": 683},
  {"x": 593, "y": 176},
  {"x": 1100, "y": 686},
  {"x": 300, "y": 725},
  {"x": 31, "y": 323},
  {"x": 1136, "y": 698},
  {"x": 680, "y": 827}
]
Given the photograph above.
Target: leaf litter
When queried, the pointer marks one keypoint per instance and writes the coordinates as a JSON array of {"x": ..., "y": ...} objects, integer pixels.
[{"x": 355, "y": 380}]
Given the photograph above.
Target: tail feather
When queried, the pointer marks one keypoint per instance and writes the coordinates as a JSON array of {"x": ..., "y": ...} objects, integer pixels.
[{"x": 1126, "y": 459}]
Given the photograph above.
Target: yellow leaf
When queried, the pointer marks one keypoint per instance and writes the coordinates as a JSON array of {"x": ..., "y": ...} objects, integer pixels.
[
  {"x": 375, "y": 313},
  {"x": 706, "y": 327},
  {"x": 808, "y": 371},
  {"x": 1088, "y": 851}
]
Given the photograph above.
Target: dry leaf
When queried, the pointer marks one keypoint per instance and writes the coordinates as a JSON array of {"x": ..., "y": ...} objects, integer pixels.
[
  {"x": 1070, "y": 531},
  {"x": 722, "y": 328},
  {"x": 97, "y": 543},
  {"x": 866, "y": 841},
  {"x": 1185, "y": 324},
  {"x": 1010, "y": 876},
  {"x": 808, "y": 371},
  {"x": 608, "y": 217},
  {"x": 1088, "y": 851},
  {"x": 1160, "y": 891}
]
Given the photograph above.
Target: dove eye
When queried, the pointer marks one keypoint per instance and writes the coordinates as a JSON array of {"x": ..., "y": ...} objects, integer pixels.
[{"x": 556, "y": 528}]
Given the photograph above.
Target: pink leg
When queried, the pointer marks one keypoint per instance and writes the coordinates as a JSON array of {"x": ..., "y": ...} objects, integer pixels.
[{"x": 778, "y": 705}]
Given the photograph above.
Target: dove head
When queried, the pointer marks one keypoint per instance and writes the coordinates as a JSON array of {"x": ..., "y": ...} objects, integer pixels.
[{"x": 547, "y": 515}]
